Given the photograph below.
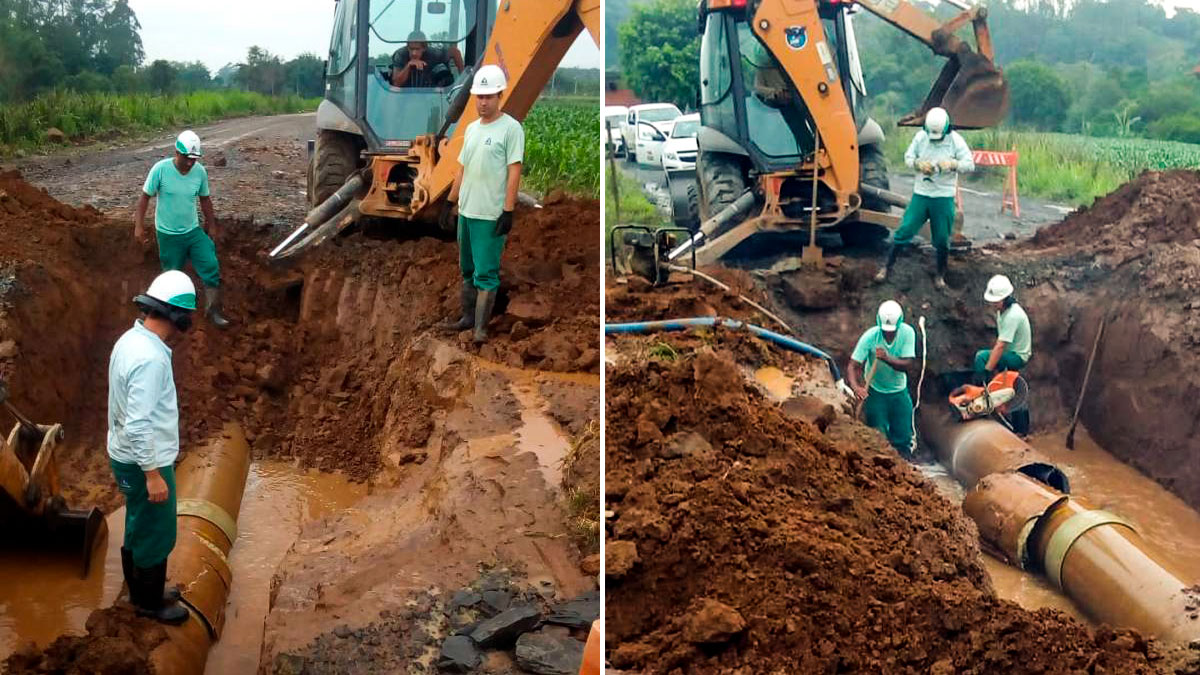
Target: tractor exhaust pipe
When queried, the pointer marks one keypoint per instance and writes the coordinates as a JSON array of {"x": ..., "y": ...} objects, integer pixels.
[
  {"x": 1095, "y": 558},
  {"x": 210, "y": 486}
]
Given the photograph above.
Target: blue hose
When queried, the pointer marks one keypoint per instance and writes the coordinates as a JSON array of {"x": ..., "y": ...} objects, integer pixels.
[{"x": 758, "y": 331}]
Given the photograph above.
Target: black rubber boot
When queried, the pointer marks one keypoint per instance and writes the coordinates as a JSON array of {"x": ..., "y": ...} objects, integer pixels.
[
  {"x": 1020, "y": 422},
  {"x": 212, "y": 303},
  {"x": 467, "y": 296},
  {"x": 943, "y": 261},
  {"x": 483, "y": 314},
  {"x": 889, "y": 262},
  {"x": 150, "y": 583},
  {"x": 169, "y": 596}
]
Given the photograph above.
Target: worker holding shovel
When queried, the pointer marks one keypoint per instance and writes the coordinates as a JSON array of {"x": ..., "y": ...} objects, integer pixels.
[
  {"x": 485, "y": 190},
  {"x": 143, "y": 440},
  {"x": 887, "y": 349}
]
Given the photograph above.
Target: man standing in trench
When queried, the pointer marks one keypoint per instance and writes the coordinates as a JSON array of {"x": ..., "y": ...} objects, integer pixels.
[
  {"x": 485, "y": 190},
  {"x": 939, "y": 155},
  {"x": 178, "y": 182},
  {"x": 887, "y": 350},
  {"x": 143, "y": 440}
]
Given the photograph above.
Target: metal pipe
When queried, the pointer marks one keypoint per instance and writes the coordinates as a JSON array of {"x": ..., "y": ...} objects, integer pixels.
[
  {"x": 1095, "y": 558},
  {"x": 885, "y": 196},
  {"x": 978, "y": 448},
  {"x": 210, "y": 486},
  {"x": 739, "y": 206}
]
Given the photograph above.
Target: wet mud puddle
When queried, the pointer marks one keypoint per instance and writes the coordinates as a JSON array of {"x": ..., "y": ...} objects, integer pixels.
[
  {"x": 42, "y": 596},
  {"x": 1161, "y": 518}
]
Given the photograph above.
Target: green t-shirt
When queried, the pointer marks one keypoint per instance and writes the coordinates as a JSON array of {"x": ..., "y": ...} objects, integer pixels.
[
  {"x": 488, "y": 150},
  {"x": 1012, "y": 326},
  {"x": 887, "y": 380},
  {"x": 175, "y": 208}
]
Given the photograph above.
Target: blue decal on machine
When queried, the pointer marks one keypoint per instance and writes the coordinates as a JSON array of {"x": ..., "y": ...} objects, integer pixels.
[{"x": 797, "y": 36}]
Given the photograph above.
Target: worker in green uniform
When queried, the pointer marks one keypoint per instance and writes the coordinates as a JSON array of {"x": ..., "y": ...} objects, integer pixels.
[
  {"x": 886, "y": 350},
  {"x": 177, "y": 182},
  {"x": 143, "y": 440},
  {"x": 1014, "y": 341},
  {"x": 938, "y": 155},
  {"x": 485, "y": 190}
]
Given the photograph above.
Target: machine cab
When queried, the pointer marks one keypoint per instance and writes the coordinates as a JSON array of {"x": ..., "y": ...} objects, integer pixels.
[{"x": 374, "y": 40}]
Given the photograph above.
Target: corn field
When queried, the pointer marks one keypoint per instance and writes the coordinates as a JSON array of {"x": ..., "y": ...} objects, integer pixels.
[
  {"x": 560, "y": 146},
  {"x": 1066, "y": 167},
  {"x": 83, "y": 116}
]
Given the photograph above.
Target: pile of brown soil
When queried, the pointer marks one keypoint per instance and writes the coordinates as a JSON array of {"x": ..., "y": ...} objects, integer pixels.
[
  {"x": 1155, "y": 207},
  {"x": 745, "y": 541},
  {"x": 637, "y": 300},
  {"x": 118, "y": 642}
]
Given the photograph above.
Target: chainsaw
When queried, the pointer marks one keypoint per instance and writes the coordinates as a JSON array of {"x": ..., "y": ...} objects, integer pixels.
[{"x": 1005, "y": 392}]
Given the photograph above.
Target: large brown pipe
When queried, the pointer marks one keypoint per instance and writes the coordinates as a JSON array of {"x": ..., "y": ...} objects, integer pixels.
[
  {"x": 979, "y": 448},
  {"x": 210, "y": 484}
]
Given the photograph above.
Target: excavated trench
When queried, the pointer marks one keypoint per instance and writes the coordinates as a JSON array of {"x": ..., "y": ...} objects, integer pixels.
[
  {"x": 1132, "y": 258},
  {"x": 375, "y": 439}
]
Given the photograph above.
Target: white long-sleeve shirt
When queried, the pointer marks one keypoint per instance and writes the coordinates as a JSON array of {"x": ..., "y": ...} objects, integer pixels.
[
  {"x": 922, "y": 149},
  {"x": 143, "y": 414}
]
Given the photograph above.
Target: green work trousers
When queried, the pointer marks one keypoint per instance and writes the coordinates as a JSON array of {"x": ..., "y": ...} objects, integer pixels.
[
  {"x": 479, "y": 251},
  {"x": 939, "y": 211},
  {"x": 175, "y": 250},
  {"x": 891, "y": 414},
  {"x": 149, "y": 527},
  {"x": 1008, "y": 361}
]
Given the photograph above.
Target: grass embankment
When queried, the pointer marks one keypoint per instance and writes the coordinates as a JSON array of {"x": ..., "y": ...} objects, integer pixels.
[
  {"x": 82, "y": 117},
  {"x": 1066, "y": 168}
]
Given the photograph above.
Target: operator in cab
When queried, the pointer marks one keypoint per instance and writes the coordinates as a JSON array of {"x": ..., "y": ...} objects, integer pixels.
[{"x": 418, "y": 65}]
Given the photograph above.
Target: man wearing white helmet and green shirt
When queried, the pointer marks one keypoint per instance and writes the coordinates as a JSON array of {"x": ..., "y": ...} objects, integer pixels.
[
  {"x": 485, "y": 190},
  {"x": 938, "y": 154},
  {"x": 1014, "y": 340},
  {"x": 886, "y": 350},
  {"x": 178, "y": 182},
  {"x": 143, "y": 440}
]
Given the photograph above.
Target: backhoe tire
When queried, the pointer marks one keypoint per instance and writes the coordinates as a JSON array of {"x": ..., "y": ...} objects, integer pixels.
[
  {"x": 722, "y": 181},
  {"x": 872, "y": 171},
  {"x": 335, "y": 158}
]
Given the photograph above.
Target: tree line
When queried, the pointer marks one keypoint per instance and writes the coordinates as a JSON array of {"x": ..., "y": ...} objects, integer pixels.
[{"x": 1104, "y": 68}]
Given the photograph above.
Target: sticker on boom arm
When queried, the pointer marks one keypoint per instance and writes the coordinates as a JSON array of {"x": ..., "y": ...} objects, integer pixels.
[{"x": 797, "y": 37}]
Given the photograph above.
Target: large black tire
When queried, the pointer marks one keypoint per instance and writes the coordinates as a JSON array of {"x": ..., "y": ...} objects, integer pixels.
[
  {"x": 722, "y": 180},
  {"x": 873, "y": 171},
  {"x": 335, "y": 157}
]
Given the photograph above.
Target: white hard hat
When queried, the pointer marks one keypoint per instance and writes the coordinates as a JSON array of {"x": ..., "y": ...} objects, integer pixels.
[
  {"x": 937, "y": 123},
  {"x": 489, "y": 80},
  {"x": 890, "y": 315},
  {"x": 174, "y": 288},
  {"x": 998, "y": 288},
  {"x": 188, "y": 144}
]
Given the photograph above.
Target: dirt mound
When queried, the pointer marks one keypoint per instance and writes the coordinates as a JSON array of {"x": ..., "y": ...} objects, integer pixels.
[
  {"x": 118, "y": 642},
  {"x": 637, "y": 300},
  {"x": 1155, "y": 207},
  {"x": 800, "y": 554}
]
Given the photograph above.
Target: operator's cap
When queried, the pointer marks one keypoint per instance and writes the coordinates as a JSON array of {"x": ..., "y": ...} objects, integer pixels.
[{"x": 188, "y": 144}]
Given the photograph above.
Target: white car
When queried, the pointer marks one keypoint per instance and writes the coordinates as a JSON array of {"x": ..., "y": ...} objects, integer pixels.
[
  {"x": 659, "y": 115},
  {"x": 614, "y": 121},
  {"x": 650, "y": 140},
  {"x": 679, "y": 150}
]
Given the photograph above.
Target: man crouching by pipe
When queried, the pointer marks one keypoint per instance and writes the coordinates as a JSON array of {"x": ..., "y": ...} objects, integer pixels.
[
  {"x": 888, "y": 348},
  {"x": 143, "y": 440}
]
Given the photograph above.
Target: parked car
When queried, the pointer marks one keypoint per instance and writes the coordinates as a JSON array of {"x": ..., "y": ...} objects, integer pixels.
[
  {"x": 679, "y": 150},
  {"x": 658, "y": 115},
  {"x": 614, "y": 121}
]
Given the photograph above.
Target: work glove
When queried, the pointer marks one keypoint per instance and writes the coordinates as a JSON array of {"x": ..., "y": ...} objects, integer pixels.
[
  {"x": 925, "y": 167},
  {"x": 504, "y": 223},
  {"x": 948, "y": 165},
  {"x": 448, "y": 218}
]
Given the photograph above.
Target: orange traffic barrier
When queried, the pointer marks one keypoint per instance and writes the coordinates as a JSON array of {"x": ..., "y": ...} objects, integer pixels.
[{"x": 1008, "y": 198}]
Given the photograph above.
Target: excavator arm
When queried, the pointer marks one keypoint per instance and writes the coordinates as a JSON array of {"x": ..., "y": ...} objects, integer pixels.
[{"x": 528, "y": 41}]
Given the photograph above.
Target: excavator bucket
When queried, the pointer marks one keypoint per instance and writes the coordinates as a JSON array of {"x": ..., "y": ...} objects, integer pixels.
[
  {"x": 971, "y": 88},
  {"x": 32, "y": 510}
]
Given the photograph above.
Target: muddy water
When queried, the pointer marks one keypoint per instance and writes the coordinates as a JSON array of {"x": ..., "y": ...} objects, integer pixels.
[
  {"x": 278, "y": 501},
  {"x": 776, "y": 383},
  {"x": 42, "y": 596}
]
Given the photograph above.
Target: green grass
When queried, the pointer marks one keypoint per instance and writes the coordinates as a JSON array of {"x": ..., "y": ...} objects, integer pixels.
[
  {"x": 636, "y": 208},
  {"x": 560, "y": 146},
  {"x": 1066, "y": 168},
  {"x": 23, "y": 126}
]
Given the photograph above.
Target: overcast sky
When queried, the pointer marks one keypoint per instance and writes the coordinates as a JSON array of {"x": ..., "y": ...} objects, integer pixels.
[{"x": 218, "y": 32}]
